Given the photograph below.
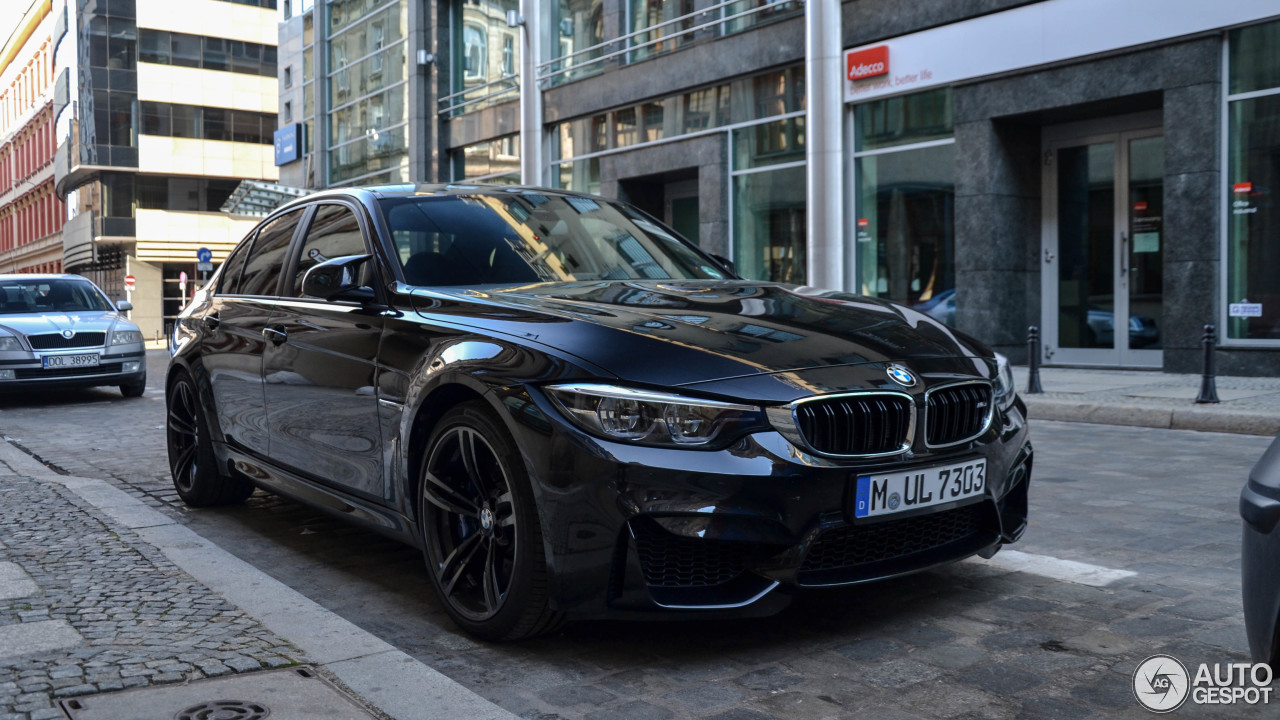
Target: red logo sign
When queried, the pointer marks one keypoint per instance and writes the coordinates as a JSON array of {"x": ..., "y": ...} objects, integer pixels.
[
  {"x": 868, "y": 63},
  {"x": 1244, "y": 187},
  {"x": 863, "y": 222},
  {"x": 1140, "y": 206}
]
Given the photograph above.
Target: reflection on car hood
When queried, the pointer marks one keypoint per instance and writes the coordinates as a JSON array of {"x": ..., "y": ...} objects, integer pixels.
[
  {"x": 76, "y": 321},
  {"x": 677, "y": 332}
]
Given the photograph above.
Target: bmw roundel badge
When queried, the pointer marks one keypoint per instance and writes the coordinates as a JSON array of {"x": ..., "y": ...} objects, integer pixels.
[{"x": 901, "y": 375}]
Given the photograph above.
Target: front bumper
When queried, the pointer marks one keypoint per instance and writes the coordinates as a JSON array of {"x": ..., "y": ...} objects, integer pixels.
[
  {"x": 634, "y": 530},
  {"x": 117, "y": 365}
]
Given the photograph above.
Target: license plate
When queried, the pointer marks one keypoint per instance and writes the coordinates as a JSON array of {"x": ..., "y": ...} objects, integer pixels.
[
  {"x": 896, "y": 492},
  {"x": 70, "y": 361}
]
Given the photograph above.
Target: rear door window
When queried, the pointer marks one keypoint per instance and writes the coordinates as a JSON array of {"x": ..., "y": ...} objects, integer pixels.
[
  {"x": 229, "y": 279},
  {"x": 266, "y": 258},
  {"x": 334, "y": 232}
]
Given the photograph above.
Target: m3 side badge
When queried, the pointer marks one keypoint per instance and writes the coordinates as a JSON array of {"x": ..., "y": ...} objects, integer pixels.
[{"x": 900, "y": 375}]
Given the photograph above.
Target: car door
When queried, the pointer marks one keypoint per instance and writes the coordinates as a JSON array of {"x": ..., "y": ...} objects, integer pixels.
[
  {"x": 319, "y": 367},
  {"x": 233, "y": 346}
]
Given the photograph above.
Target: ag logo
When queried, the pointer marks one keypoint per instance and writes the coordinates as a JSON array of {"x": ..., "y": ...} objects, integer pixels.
[
  {"x": 1161, "y": 683},
  {"x": 900, "y": 375}
]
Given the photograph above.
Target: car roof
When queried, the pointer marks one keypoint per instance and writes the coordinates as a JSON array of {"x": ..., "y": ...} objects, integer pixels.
[
  {"x": 42, "y": 276},
  {"x": 374, "y": 192}
]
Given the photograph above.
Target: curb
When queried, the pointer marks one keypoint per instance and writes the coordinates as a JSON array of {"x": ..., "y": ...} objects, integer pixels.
[
  {"x": 1170, "y": 418},
  {"x": 385, "y": 678}
]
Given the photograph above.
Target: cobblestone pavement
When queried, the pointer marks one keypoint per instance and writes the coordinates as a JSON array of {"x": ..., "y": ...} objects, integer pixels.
[
  {"x": 121, "y": 613},
  {"x": 975, "y": 640}
]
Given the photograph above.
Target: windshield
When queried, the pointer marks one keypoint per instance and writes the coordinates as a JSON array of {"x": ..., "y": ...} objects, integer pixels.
[
  {"x": 528, "y": 238},
  {"x": 59, "y": 295}
]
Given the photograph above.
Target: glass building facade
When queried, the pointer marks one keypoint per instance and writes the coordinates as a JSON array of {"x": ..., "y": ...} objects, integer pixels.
[{"x": 367, "y": 86}]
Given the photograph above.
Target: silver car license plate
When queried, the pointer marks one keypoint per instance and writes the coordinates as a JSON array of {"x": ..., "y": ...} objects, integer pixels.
[
  {"x": 70, "y": 361},
  {"x": 895, "y": 492}
]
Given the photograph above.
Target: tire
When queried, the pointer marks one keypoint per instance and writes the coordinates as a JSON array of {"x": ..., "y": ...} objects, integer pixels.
[
  {"x": 134, "y": 389},
  {"x": 481, "y": 537},
  {"x": 191, "y": 458}
]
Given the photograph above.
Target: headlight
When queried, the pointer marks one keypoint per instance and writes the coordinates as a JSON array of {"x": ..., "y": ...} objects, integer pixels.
[
  {"x": 652, "y": 418},
  {"x": 1003, "y": 387},
  {"x": 9, "y": 342},
  {"x": 125, "y": 337}
]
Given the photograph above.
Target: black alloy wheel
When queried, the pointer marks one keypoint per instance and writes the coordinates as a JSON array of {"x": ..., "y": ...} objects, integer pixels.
[
  {"x": 191, "y": 458},
  {"x": 481, "y": 538}
]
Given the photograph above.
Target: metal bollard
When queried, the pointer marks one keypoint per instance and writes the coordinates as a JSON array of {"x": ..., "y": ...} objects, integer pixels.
[
  {"x": 1208, "y": 384},
  {"x": 1033, "y": 361}
]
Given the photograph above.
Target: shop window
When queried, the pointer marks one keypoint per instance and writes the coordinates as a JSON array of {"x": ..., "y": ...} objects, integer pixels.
[
  {"x": 769, "y": 204},
  {"x": 1253, "y": 185},
  {"x": 904, "y": 229}
]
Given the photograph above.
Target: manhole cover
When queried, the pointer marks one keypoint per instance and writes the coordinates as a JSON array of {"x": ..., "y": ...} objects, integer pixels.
[
  {"x": 224, "y": 710},
  {"x": 295, "y": 694}
]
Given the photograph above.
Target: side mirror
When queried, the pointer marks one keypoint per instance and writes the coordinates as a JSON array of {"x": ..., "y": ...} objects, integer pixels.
[
  {"x": 725, "y": 263},
  {"x": 124, "y": 306},
  {"x": 338, "y": 279}
]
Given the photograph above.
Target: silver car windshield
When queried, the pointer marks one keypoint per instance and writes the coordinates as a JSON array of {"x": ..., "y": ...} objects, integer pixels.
[
  {"x": 58, "y": 295},
  {"x": 531, "y": 238}
]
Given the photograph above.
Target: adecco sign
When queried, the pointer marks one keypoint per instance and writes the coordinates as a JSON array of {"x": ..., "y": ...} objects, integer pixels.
[
  {"x": 1031, "y": 35},
  {"x": 867, "y": 63}
]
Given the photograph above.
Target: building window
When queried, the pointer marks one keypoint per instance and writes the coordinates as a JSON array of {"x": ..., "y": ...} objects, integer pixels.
[
  {"x": 769, "y": 201},
  {"x": 487, "y": 52},
  {"x": 1253, "y": 176},
  {"x": 288, "y": 76},
  {"x": 575, "y": 32},
  {"x": 658, "y": 14},
  {"x": 904, "y": 201},
  {"x": 496, "y": 161},
  {"x": 288, "y": 112}
]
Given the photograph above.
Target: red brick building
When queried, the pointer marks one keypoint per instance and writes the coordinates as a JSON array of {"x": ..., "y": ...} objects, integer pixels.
[{"x": 31, "y": 214}]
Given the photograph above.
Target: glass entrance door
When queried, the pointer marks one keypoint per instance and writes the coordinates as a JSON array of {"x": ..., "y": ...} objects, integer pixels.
[{"x": 1103, "y": 272}]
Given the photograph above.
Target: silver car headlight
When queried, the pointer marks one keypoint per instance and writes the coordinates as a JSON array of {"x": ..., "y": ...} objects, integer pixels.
[
  {"x": 1005, "y": 393},
  {"x": 126, "y": 337},
  {"x": 647, "y": 417},
  {"x": 9, "y": 342}
]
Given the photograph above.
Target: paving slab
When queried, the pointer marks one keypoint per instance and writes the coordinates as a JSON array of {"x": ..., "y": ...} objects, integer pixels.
[
  {"x": 15, "y": 582},
  {"x": 33, "y": 638}
]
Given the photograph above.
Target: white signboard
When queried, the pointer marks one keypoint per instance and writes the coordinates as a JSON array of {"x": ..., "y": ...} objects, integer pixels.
[
  {"x": 1043, "y": 32},
  {"x": 1245, "y": 309}
]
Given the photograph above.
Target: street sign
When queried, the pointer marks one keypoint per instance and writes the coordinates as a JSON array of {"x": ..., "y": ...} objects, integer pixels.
[
  {"x": 204, "y": 255},
  {"x": 204, "y": 267},
  {"x": 130, "y": 281}
]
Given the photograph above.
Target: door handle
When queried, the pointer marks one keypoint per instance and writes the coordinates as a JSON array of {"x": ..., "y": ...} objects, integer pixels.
[
  {"x": 1124, "y": 255},
  {"x": 276, "y": 334},
  {"x": 211, "y": 321}
]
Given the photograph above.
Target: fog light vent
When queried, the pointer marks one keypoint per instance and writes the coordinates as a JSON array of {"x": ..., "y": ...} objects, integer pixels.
[{"x": 6, "y": 374}]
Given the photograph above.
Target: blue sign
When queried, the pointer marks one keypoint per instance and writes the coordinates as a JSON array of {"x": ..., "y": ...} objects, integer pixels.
[
  {"x": 288, "y": 147},
  {"x": 204, "y": 255}
]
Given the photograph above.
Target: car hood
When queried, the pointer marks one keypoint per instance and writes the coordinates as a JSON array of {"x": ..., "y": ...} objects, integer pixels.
[
  {"x": 674, "y": 332},
  {"x": 95, "y": 321}
]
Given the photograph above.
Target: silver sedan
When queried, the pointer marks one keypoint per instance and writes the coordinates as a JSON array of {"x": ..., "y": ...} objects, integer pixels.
[{"x": 61, "y": 330}]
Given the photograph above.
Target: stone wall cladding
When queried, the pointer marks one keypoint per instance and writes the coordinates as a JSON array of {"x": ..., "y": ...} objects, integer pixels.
[{"x": 143, "y": 620}]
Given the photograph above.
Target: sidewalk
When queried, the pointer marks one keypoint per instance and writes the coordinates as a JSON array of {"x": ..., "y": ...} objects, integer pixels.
[
  {"x": 115, "y": 610},
  {"x": 1249, "y": 405}
]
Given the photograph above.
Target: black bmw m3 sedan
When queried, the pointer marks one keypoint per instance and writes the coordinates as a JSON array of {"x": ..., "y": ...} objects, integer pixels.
[{"x": 575, "y": 413}]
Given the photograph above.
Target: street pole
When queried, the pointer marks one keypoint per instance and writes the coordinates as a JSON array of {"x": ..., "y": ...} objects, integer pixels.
[{"x": 824, "y": 84}]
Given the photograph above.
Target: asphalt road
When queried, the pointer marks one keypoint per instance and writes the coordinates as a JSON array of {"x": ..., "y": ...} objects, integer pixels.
[{"x": 1029, "y": 634}]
